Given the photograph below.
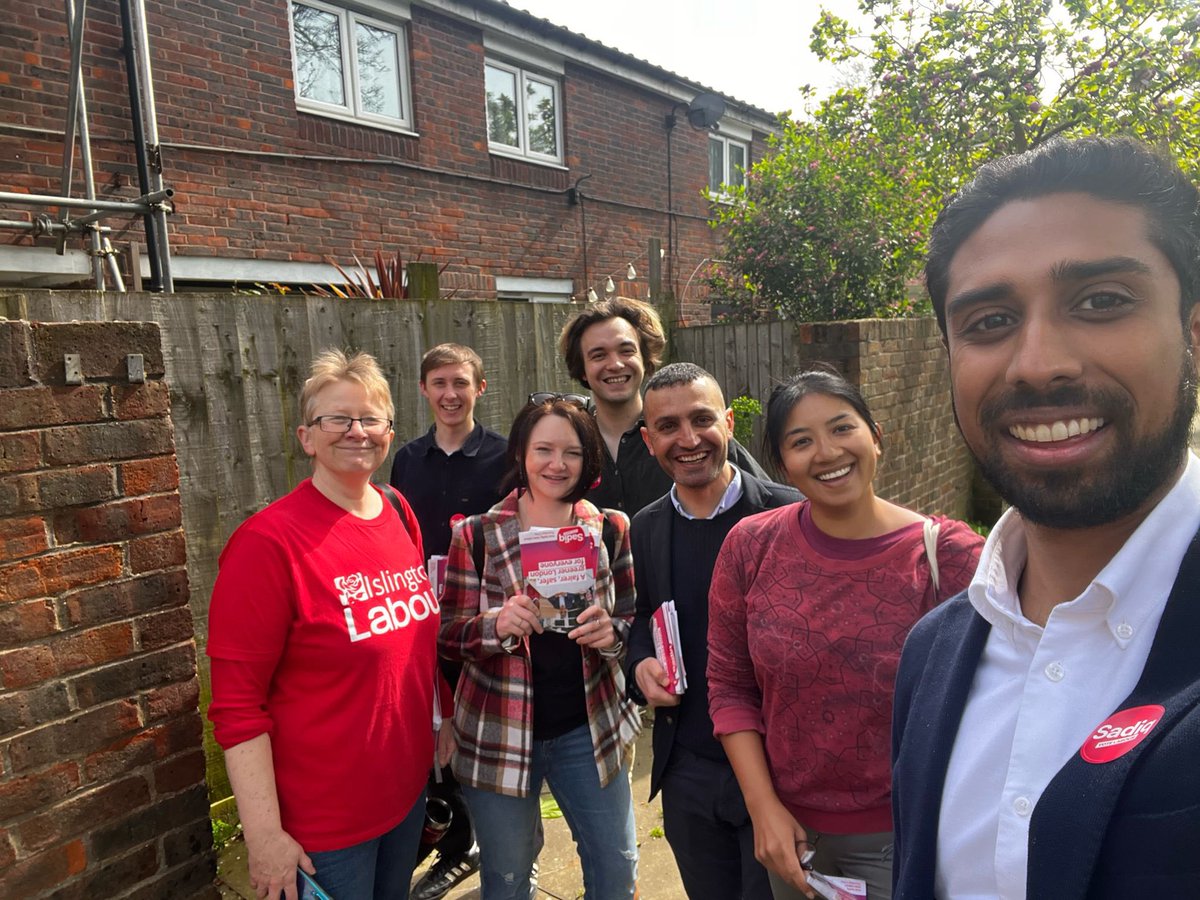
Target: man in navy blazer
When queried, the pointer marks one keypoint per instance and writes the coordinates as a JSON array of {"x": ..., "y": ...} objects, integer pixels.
[
  {"x": 1046, "y": 736},
  {"x": 675, "y": 541}
]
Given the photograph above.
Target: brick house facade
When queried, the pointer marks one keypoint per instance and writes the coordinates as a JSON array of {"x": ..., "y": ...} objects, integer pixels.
[{"x": 297, "y": 130}]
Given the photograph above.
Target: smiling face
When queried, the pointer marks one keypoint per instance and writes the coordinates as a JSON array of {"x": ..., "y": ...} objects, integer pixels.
[
  {"x": 612, "y": 361},
  {"x": 553, "y": 458},
  {"x": 451, "y": 391},
  {"x": 688, "y": 430},
  {"x": 1073, "y": 383},
  {"x": 828, "y": 452},
  {"x": 352, "y": 453}
]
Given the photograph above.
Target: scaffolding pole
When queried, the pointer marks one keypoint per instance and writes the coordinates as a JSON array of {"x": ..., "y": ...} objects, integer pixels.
[{"x": 154, "y": 203}]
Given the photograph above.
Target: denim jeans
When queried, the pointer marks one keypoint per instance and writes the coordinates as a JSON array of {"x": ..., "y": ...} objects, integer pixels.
[
  {"x": 600, "y": 819},
  {"x": 378, "y": 869}
]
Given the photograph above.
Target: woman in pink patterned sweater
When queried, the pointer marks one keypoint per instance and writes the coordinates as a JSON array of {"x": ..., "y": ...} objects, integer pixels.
[{"x": 809, "y": 608}]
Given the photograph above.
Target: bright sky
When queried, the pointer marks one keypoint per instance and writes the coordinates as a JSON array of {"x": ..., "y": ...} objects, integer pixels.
[{"x": 752, "y": 50}]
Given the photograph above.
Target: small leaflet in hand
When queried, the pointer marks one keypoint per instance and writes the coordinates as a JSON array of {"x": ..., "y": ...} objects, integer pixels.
[
  {"x": 664, "y": 629},
  {"x": 436, "y": 569},
  {"x": 560, "y": 573},
  {"x": 832, "y": 888}
]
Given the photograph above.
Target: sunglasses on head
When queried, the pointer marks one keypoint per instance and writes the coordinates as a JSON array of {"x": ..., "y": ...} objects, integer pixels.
[{"x": 537, "y": 398}]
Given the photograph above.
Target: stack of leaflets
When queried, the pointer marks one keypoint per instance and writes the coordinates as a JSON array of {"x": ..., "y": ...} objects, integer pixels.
[
  {"x": 560, "y": 573},
  {"x": 832, "y": 888},
  {"x": 664, "y": 628},
  {"x": 435, "y": 568}
]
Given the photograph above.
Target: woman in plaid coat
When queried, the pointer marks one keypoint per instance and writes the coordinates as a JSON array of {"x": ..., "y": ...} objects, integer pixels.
[{"x": 535, "y": 705}]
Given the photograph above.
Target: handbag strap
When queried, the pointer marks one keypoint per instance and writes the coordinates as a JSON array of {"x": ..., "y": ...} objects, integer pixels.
[{"x": 931, "y": 535}]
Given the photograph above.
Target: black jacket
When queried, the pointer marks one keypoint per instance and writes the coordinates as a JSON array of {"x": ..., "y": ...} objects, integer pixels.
[
  {"x": 1125, "y": 828},
  {"x": 650, "y": 537}
]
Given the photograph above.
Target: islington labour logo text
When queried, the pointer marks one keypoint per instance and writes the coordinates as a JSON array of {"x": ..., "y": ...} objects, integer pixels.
[{"x": 388, "y": 601}]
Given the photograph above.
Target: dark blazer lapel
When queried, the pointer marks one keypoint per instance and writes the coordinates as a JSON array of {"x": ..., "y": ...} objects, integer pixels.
[
  {"x": 663, "y": 515},
  {"x": 930, "y": 728},
  {"x": 1069, "y": 823}
]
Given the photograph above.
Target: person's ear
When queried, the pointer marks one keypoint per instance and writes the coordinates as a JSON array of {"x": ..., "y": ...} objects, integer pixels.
[
  {"x": 646, "y": 439},
  {"x": 304, "y": 434},
  {"x": 878, "y": 436},
  {"x": 421, "y": 385},
  {"x": 482, "y": 387},
  {"x": 729, "y": 420}
]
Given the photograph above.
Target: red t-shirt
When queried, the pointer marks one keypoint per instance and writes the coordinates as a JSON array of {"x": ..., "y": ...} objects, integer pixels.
[{"x": 323, "y": 633}]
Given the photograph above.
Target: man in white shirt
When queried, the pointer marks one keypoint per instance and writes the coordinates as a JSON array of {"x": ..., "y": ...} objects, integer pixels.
[{"x": 1047, "y": 722}]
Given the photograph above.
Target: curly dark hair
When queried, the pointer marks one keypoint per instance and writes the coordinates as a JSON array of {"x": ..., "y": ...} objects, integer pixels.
[{"x": 642, "y": 316}]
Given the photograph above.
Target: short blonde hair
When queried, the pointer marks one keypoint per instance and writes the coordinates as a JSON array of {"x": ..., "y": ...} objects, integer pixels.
[{"x": 334, "y": 365}]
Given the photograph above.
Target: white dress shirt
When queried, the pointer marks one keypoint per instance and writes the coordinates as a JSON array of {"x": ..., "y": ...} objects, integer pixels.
[
  {"x": 733, "y": 493},
  {"x": 1038, "y": 693}
]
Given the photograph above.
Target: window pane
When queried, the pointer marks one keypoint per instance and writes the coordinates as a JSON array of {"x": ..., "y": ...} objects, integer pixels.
[
  {"x": 318, "y": 54},
  {"x": 378, "y": 71},
  {"x": 541, "y": 118},
  {"x": 716, "y": 164},
  {"x": 737, "y": 163},
  {"x": 501, "y": 88}
]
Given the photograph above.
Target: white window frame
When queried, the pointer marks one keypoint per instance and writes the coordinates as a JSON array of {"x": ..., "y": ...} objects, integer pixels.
[
  {"x": 534, "y": 290},
  {"x": 727, "y": 169},
  {"x": 348, "y": 20},
  {"x": 521, "y": 75}
]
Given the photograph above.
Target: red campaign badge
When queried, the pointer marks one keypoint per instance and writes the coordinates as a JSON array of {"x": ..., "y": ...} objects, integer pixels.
[
  {"x": 456, "y": 518},
  {"x": 569, "y": 536},
  {"x": 1120, "y": 733}
]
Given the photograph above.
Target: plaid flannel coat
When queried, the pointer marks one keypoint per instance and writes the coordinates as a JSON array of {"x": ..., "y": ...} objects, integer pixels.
[{"x": 493, "y": 705}]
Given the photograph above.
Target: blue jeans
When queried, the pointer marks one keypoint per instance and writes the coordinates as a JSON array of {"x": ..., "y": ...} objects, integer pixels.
[
  {"x": 600, "y": 819},
  {"x": 378, "y": 869}
]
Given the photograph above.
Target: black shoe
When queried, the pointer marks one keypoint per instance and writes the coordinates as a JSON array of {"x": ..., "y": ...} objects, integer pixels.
[{"x": 445, "y": 874}]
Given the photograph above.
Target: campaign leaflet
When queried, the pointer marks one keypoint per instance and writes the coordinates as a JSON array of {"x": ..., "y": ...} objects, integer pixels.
[
  {"x": 436, "y": 569},
  {"x": 833, "y": 888},
  {"x": 560, "y": 573},
  {"x": 664, "y": 629}
]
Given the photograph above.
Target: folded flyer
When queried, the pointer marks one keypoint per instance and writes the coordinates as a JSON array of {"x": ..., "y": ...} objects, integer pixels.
[
  {"x": 832, "y": 888},
  {"x": 664, "y": 629},
  {"x": 560, "y": 573},
  {"x": 436, "y": 569}
]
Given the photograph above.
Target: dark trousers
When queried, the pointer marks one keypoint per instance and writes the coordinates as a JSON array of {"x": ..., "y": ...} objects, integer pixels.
[
  {"x": 459, "y": 837},
  {"x": 709, "y": 830}
]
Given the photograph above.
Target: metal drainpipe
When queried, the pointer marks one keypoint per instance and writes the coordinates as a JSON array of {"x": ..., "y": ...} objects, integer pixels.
[{"x": 159, "y": 274}]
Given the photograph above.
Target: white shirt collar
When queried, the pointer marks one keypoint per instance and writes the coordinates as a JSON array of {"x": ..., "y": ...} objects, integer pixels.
[
  {"x": 1117, "y": 590},
  {"x": 732, "y": 495}
]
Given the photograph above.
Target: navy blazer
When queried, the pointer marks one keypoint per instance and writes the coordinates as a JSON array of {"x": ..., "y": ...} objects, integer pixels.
[
  {"x": 1121, "y": 829},
  {"x": 650, "y": 538}
]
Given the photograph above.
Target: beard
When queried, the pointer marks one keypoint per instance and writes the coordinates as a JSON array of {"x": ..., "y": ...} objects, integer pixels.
[{"x": 1086, "y": 496}]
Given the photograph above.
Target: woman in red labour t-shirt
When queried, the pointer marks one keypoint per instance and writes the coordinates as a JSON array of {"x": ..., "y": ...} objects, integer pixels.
[
  {"x": 808, "y": 610},
  {"x": 322, "y": 634}
]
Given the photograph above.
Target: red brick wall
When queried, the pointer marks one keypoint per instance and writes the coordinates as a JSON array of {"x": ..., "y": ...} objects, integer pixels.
[
  {"x": 223, "y": 80},
  {"x": 101, "y": 767}
]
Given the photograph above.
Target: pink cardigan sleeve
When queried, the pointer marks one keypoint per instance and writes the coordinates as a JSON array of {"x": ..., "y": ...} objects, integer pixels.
[{"x": 734, "y": 697}]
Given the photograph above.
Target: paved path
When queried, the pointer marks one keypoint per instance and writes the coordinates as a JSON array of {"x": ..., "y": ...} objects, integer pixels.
[{"x": 560, "y": 877}]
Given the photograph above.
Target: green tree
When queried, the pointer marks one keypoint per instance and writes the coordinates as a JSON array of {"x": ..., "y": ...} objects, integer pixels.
[{"x": 943, "y": 87}]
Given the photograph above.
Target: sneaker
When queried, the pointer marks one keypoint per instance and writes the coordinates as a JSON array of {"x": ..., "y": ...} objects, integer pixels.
[
  {"x": 533, "y": 873},
  {"x": 445, "y": 874}
]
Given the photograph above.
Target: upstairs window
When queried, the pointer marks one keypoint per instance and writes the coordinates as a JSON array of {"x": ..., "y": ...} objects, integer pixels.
[
  {"x": 350, "y": 66},
  {"x": 523, "y": 113},
  {"x": 726, "y": 163}
]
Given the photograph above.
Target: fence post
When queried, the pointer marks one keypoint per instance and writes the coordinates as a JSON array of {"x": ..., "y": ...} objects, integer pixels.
[{"x": 422, "y": 281}]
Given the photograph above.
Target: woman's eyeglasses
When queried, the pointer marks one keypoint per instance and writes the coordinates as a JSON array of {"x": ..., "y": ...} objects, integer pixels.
[
  {"x": 340, "y": 424},
  {"x": 539, "y": 397}
]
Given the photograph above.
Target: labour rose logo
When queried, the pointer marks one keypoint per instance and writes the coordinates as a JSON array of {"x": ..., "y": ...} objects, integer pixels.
[{"x": 351, "y": 588}]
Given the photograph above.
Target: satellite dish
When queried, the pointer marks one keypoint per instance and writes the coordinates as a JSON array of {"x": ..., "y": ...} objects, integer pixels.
[{"x": 705, "y": 110}]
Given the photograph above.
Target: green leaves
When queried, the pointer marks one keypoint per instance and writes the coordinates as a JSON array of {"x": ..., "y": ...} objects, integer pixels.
[{"x": 832, "y": 223}]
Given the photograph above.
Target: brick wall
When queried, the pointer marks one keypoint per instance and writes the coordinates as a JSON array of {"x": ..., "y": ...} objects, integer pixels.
[
  {"x": 236, "y": 146},
  {"x": 101, "y": 768}
]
